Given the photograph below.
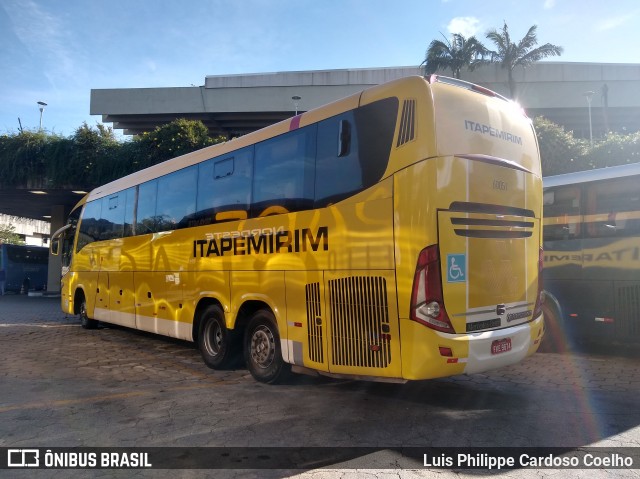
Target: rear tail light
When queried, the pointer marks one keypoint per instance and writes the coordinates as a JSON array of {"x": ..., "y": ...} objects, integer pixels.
[
  {"x": 427, "y": 303},
  {"x": 537, "y": 310}
]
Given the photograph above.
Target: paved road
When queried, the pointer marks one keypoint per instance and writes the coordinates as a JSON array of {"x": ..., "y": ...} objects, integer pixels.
[{"x": 63, "y": 386}]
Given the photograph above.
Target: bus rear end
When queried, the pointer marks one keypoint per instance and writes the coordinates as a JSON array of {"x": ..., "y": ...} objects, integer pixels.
[{"x": 468, "y": 236}]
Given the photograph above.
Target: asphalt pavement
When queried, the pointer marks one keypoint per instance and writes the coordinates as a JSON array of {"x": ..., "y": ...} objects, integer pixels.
[{"x": 65, "y": 387}]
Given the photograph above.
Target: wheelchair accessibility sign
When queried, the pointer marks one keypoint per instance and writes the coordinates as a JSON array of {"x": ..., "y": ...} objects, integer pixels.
[{"x": 456, "y": 268}]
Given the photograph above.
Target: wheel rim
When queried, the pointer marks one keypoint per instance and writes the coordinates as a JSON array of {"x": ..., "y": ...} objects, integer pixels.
[
  {"x": 263, "y": 347},
  {"x": 83, "y": 312},
  {"x": 213, "y": 338}
]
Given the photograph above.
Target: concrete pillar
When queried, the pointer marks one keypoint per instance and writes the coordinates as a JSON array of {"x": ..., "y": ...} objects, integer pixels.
[{"x": 58, "y": 220}]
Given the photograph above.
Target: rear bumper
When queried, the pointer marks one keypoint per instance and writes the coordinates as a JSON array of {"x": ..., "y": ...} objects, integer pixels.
[
  {"x": 525, "y": 340},
  {"x": 423, "y": 358}
]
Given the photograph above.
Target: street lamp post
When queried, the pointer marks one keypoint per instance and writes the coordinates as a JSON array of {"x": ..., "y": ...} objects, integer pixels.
[
  {"x": 296, "y": 99},
  {"x": 41, "y": 106},
  {"x": 589, "y": 95}
]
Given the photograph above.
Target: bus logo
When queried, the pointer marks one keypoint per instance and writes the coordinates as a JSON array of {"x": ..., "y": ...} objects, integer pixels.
[
  {"x": 23, "y": 458},
  {"x": 456, "y": 268}
]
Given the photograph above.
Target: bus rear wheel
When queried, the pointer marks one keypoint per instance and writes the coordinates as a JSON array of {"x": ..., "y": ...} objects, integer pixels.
[
  {"x": 215, "y": 341},
  {"x": 85, "y": 320},
  {"x": 262, "y": 349}
]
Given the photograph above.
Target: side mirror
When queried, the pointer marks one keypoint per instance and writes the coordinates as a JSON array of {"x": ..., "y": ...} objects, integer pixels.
[
  {"x": 55, "y": 240},
  {"x": 54, "y": 249}
]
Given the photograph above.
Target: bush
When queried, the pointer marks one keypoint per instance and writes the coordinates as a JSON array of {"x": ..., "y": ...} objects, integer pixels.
[
  {"x": 92, "y": 156},
  {"x": 560, "y": 152},
  {"x": 615, "y": 150}
]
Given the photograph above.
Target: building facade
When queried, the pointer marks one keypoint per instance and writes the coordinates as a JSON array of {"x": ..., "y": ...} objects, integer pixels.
[{"x": 586, "y": 98}]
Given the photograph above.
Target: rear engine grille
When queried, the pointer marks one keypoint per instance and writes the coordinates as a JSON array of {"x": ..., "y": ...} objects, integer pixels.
[
  {"x": 314, "y": 322},
  {"x": 360, "y": 322}
]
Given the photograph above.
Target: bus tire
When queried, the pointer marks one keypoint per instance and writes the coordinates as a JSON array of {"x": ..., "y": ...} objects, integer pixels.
[
  {"x": 215, "y": 341},
  {"x": 262, "y": 349},
  {"x": 553, "y": 340},
  {"x": 85, "y": 320}
]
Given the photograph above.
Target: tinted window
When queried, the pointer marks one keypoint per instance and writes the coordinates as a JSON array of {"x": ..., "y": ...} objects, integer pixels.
[
  {"x": 562, "y": 213},
  {"x": 224, "y": 187},
  {"x": 112, "y": 218},
  {"x": 353, "y": 150},
  {"x": 90, "y": 224},
  {"x": 176, "y": 199},
  {"x": 129, "y": 211},
  {"x": 284, "y": 173},
  {"x": 146, "y": 216},
  {"x": 338, "y": 167},
  {"x": 27, "y": 255},
  {"x": 613, "y": 208}
]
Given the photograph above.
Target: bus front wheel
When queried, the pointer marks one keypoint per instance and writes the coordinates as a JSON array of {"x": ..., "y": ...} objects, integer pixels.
[
  {"x": 215, "y": 340},
  {"x": 85, "y": 320},
  {"x": 262, "y": 349}
]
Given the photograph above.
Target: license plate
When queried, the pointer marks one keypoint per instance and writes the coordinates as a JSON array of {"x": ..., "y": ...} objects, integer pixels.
[{"x": 501, "y": 346}]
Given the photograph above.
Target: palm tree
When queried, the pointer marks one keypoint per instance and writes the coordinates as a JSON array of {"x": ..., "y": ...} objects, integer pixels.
[
  {"x": 460, "y": 53},
  {"x": 523, "y": 53}
]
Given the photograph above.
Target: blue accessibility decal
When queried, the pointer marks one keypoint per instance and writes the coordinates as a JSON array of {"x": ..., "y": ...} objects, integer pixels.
[{"x": 456, "y": 268}]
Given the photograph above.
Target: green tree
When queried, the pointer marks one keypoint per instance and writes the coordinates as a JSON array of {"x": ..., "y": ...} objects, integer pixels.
[
  {"x": 174, "y": 139},
  {"x": 454, "y": 55},
  {"x": 510, "y": 55},
  {"x": 560, "y": 152},
  {"x": 9, "y": 236},
  {"x": 22, "y": 158}
]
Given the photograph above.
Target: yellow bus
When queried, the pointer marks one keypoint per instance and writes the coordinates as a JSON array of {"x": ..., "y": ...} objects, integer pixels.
[
  {"x": 392, "y": 235},
  {"x": 592, "y": 257}
]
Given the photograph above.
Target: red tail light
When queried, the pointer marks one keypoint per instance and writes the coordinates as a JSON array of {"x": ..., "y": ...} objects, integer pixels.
[
  {"x": 427, "y": 303},
  {"x": 537, "y": 311}
]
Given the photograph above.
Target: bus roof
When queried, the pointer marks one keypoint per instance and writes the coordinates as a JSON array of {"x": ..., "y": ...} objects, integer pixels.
[{"x": 592, "y": 175}]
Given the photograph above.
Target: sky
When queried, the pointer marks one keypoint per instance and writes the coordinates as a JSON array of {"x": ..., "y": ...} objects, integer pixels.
[{"x": 57, "y": 51}]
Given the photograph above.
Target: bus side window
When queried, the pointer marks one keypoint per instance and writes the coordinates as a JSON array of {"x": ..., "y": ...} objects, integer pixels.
[
  {"x": 112, "y": 218},
  {"x": 338, "y": 171},
  {"x": 176, "y": 199},
  {"x": 146, "y": 220},
  {"x": 562, "y": 217},
  {"x": 613, "y": 208},
  {"x": 224, "y": 187},
  {"x": 284, "y": 171},
  {"x": 353, "y": 150},
  {"x": 129, "y": 211}
]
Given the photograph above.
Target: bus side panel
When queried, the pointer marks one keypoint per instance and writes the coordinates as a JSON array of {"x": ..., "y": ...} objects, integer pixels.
[
  {"x": 307, "y": 319},
  {"x": 206, "y": 284},
  {"x": 159, "y": 304},
  {"x": 415, "y": 224},
  {"x": 87, "y": 264},
  {"x": 264, "y": 286},
  {"x": 122, "y": 299}
]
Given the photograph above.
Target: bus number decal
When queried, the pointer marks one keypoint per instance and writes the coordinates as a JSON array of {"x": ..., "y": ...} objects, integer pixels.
[{"x": 269, "y": 241}]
